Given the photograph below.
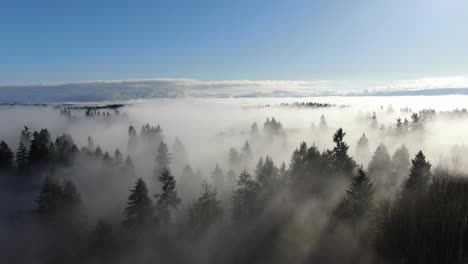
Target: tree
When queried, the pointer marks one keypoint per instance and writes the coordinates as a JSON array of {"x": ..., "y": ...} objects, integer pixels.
[
  {"x": 340, "y": 159},
  {"x": 234, "y": 158},
  {"x": 180, "y": 154},
  {"x": 39, "y": 153},
  {"x": 374, "y": 124},
  {"x": 63, "y": 148},
  {"x": 254, "y": 130},
  {"x": 266, "y": 173},
  {"x": 168, "y": 198},
  {"x": 401, "y": 162},
  {"x": 22, "y": 162},
  {"x": 323, "y": 123},
  {"x": 381, "y": 169},
  {"x": 420, "y": 175},
  {"x": 246, "y": 153},
  {"x": 358, "y": 200},
  {"x": 107, "y": 159},
  {"x": 362, "y": 149},
  {"x": 129, "y": 168},
  {"x": 91, "y": 146},
  {"x": 132, "y": 139},
  {"x": 139, "y": 210},
  {"x": 118, "y": 158},
  {"x": 245, "y": 198},
  {"x": 6, "y": 156},
  {"x": 218, "y": 178},
  {"x": 163, "y": 158},
  {"x": 25, "y": 137},
  {"x": 206, "y": 210},
  {"x": 98, "y": 152}
]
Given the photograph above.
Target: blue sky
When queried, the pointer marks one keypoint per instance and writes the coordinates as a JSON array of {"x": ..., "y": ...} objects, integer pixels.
[{"x": 361, "y": 41}]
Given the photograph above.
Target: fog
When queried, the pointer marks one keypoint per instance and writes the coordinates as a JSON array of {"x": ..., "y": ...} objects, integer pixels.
[{"x": 208, "y": 130}]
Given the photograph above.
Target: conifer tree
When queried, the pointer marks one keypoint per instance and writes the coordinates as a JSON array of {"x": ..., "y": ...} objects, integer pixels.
[
  {"x": 132, "y": 139},
  {"x": 25, "y": 137},
  {"x": 163, "y": 159},
  {"x": 218, "y": 178},
  {"x": 180, "y": 154},
  {"x": 50, "y": 201},
  {"x": 380, "y": 168},
  {"x": 362, "y": 149},
  {"x": 39, "y": 152},
  {"x": 374, "y": 124},
  {"x": 254, "y": 130},
  {"x": 91, "y": 146},
  {"x": 139, "y": 210},
  {"x": 341, "y": 161},
  {"x": 246, "y": 153},
  {"x": 266, "y": 173},
  {"x": 234, "y": 158},
  {"x": 107, "y": 159},
  {"x": 359, "y": 197},
  {"x": 323, "y": 123},
  {"x": 420, "y": 175},
  {"x": 98, "y": 152},
  {"x": 401, "y": 162},
  {"x": 22, "y": 158},
  {"x": 245, "y": 198},
  {"x": 6, "y": 156},
  {"x": 129, "y": 168},
  {"x": 118, "y": 158},
  {"x": 168, "y": 199},
  {"x": 206, "y": 210}
]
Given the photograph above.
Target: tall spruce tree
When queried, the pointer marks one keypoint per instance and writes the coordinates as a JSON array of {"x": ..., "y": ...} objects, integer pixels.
[
  {"x": 139, "y": 210},
  {"x": 359, "y": 198},
  {"x": 246, "y": 202},
  {"x": 401, "y": 162},
  {"x": 206, "y": 210},
  {"x": 380, "y": 168},
  {"x": 22, "y": 162},
  {"x": 362, "y": 149},
  {"x": 163, "y": 159},
  {"x": 218, "y": 178},
  {"x": 341, "y": 161},
  {"x": 168, "y": 198},
  {"x": 420, "y": 175},
  {"x": 6, "y": 156},
  {"x": 39, "y": 152}
]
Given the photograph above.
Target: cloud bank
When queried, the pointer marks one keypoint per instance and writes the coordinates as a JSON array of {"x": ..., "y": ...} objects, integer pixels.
[{"x": 121, "y": 90}]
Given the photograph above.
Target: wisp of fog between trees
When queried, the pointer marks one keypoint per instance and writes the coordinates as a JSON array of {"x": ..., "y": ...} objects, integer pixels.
[{"x": 316, "y": 180}]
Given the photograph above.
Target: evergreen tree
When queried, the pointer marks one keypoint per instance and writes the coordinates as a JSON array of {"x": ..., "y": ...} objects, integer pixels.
[
  {"x": 218, "y": 178},
  {"x": 107, "y": 159},
  {"x": 374, "y": 124},
  {"x": 323, "y": 123},
  {"x": 91, "y": 146},
  {"x": 6, "y": 156},
  {"x": 39, "y": 152},
  {"x": 189, "y": 182},
  {"x": 245, "y": 198},
  {"x": 50, "y": 201},
  {"x": 341, "y": 161},
  {"x": 234, "y": 158},
  {"x": 206, "y": 210},
  {"x": 168, "y": 198},
  {"x": 358, "y": 200},
  {"x": 401, "y": 162},
  {"x": 139, "y": 210},
  {"x": 132, "y": 139},
  {"x": 163, "y": 159},
  {"x": 118, "y": 158},
  {"x": 254, "y": 130},
  {"x": 63, "y": 149},
  {"x": 22, "y": 158},
  {"x": 362, "y": 149},
  {"x": 420, "y": 175},
  {"x": 246, "y": 153},
  {"x": 266, "y": 173},
  {"x": 129, "y": 168},
  {"x": 380, "y": 168},
  {"x": 25, "y": 137},
  {"x": 98, "y": 152}
]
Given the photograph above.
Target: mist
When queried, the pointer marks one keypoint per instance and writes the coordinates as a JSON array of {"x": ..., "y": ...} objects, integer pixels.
[{"x": 249, "y": 180}]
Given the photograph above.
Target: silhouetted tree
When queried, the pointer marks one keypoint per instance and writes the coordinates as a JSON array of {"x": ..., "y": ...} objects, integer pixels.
[
  {"x": 245, "y": 198},
  {"x": 206, "y": 210},
  {"x": 340, "y": 159},
  {"x": 39, "y": 151},
  {"x": 420, "y": 175},
  {"x": 358, "y": 200},
  {"x": 323, "y": 123},
  {"x": 6, "y": 156},
  {"x": 22, "y": 162},
  {"x": 25, "y": 137},
  {"x": 381, "y": 169},
  {"x": 163, "y": 159},
  {"x": 401, "y": 163},
  {"x": 168, "y": 198},
  {"x": 118, "y": 158},
  {"x": 362, "y": 149},
  {"x": 139, "y": 210}
]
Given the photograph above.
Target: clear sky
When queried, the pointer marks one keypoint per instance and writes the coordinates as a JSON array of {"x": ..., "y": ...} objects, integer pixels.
[{"x": 65, "y": 41}]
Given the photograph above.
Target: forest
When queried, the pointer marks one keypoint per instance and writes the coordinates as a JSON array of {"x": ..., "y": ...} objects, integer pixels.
[{"x": 310, "y": 183}]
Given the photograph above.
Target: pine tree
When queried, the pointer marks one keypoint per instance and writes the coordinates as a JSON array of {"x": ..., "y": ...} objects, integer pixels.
[
  {"x": 323, "y": 123},
  {"x": 129, "y": 168},
  {"x": 245, "y": 198},
  {"x": 25, "y": 137},
  {"x": 98, "y": 152},
  {"x": 132, "y": 139},
  {"x": 374, "y": 124},
  {"x": 401, "y": 162},
  {"x": 380, "y": 168},
  {"x": 218, "y": 178},
  {"x": 6, "y": 156},
  {"x": 420, "y": 175},
  {"x": 254, "y": 130},
  {"x": 358, "y": 200},
  {"x": 163, "y": 159},
  {"x": 168, "y": 198},
  {"x": 341, "y": 161},
  {"x": 234, "y": 158},
  {"x": 206, "y": 210},
  {"x": 91, "y": 147},
  {"x": 139, "y": 210},
  {"x": 39, "y": 152},
  {"x": 246, "y": 153},
  {"x": 107, "y": 159},
  {"x": 362, "y": 149},
  {"x": 180, "y": 154},
  {"x": 118, "y": 158},
  {"x": 22, "y": 158},
  {"x": 266, "y": 173},
  {"x": 50, "y": 201}
]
